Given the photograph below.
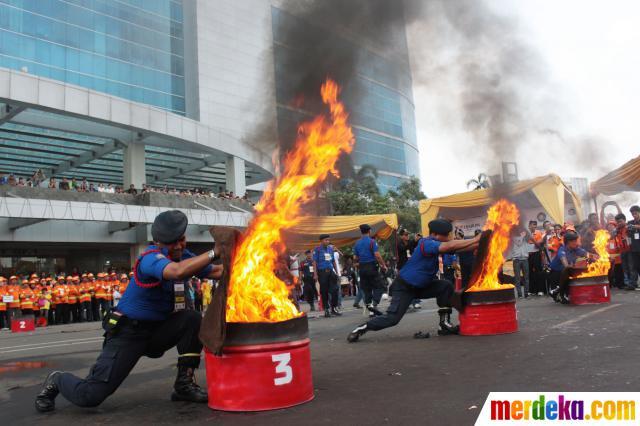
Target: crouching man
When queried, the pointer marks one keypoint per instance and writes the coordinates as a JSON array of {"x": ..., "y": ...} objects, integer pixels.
[
  {"x": 149, "y": 320},
  {"x": 417, "y": 280}
]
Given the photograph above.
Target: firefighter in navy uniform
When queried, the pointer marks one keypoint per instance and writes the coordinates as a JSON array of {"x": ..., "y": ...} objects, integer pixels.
[
  {"x": 149, "y": 320},
  {"x": 418, "y": 279}
]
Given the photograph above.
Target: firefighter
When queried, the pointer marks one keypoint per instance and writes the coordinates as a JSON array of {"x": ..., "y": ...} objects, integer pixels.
[
  {"x": 85, "y": 299},
  {"x": 102, "y": 288},
  {"x": 73, "y": 295},
  {"x": 367, "y": 258},
  {"x": 418, "y": 279},
  {"x": 13, "y": 295},
  {"x": 26, "y": 298},
  {"x": 149, "y": 320},
  {"x": 563, "y": 264},
  {"x": 4, "y": 291},
  {"x": 324, "y": 265},
  {"x": 62, "y": 308},
  {"x": 307, "y": 272}
]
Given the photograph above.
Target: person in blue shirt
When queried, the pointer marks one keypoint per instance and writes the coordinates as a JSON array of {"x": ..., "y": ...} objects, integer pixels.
[
  {"x": 562, "y": 266},
  {"x": 418, "y": 279},
  {"x": 149, "y": 320},
  {"x": 367, "y": 257},
  {"x": 324, "y": 266}
]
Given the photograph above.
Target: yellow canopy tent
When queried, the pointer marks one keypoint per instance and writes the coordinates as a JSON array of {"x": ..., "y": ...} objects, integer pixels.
[
  {"x": 624, "y": 178},
  {"x": 545, "y": 191},
  {"x": 344, "y": 230}
]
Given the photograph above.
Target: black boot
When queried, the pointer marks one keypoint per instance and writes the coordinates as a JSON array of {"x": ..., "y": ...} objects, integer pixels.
[
  {"x": 373, "y": 311},
  {"x": 446, "y": 328},
  {"x": 336, "y": 312},
  {"x": 312, "y": 307},
  {"x": 356, "y": 333},
  {"x": 185, "y": 387},
  {"x": 327, "y": 314},
  {"x": 46, "y": 399}
]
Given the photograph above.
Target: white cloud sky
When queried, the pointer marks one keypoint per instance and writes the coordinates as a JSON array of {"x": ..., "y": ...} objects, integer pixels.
[{"x": 589, "y": 52}]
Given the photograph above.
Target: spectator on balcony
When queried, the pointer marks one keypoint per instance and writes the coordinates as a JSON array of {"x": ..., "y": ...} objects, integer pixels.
[
  {"x": 38, "y": 177},
  {"x": 101, "y": 188},
  {"x": 92, "y": 188},
  {"x": 74, "y": 184},
  {"x": 21, "y": 182},
  {"x": 52, "y": 183},
  {"x": 132, "y": 190},
  {"x": 3, "y": 179},
  {"x": 64, "y": 185},
  {"x": 12, "y": 180},
  {"x": 84, "y": 185}
]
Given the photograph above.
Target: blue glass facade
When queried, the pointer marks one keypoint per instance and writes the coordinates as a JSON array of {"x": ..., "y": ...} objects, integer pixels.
[
  {"x": 133, "y": 49},
  {"x": 382, "y": 114}
]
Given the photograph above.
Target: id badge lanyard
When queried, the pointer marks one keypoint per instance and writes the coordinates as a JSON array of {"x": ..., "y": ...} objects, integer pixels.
[{"x": 178, "y": 296}]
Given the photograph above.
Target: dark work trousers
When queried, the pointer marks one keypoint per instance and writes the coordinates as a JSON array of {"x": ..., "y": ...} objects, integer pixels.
[
  {"x": 86, "y": 313},
  {"x": 309, "y": 290},
  {"x": 122, "y": 350},
  {"x": 63, "y": 313},
  {"x": 536, "y": 280},
  {"x": 561, "y": 279},
  {"x": 328, "y": 288},
  {"x": 449, "y": 274},
  {"x": 635, "y": 272},
  {"x": 95, "y": 309},
  {"x": 104, "y": 307},
  {"x": 4, "y": 319},
  {"x": 371, "y": 283},
  {"x": 75, "y": 311},
  {"x": 616, "y": 276},
  {"x": 404, "y": 294}
]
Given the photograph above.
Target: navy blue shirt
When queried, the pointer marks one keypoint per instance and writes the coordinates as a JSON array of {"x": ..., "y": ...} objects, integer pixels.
[
  {"x": 157, "y": 302},
  {"x": 365, "y": 249},
  {"x": 570, "y": 255},
  {"x": 323, "y": 256},
  {"x": 448, "y": 259},
  {"x": 422, "y": 267},
  {"x": 307, "y": 268}
]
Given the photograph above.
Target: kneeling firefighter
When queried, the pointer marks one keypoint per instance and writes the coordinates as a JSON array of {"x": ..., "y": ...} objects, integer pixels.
[
  {"x": 149, "y": 320},
  {"x": 417, "y": 280}
]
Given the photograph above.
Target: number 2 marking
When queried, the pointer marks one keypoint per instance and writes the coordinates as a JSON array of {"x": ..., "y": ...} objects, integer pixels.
[
  {"x": 283, "y": 367},
  {"x": 23, "y": 324}
]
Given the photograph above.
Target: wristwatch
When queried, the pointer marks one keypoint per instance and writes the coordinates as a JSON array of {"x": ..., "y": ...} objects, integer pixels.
[{"x": 212, "y": 255}]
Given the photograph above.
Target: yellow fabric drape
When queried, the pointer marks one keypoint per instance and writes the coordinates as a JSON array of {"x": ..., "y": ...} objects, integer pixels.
[
  {"x": 344, "y": 230},
  {"x": 549, "y": 191},
  {"x": 624, "y": 178}
]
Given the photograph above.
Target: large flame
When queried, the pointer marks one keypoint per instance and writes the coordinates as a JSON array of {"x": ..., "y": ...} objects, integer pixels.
[
  {"x": 255, "y": 293},
  {"x": 501, "y": 217},
  {"x": 601, "y": 266}
]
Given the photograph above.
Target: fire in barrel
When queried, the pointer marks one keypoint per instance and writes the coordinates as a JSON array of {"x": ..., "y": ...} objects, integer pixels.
[
  {"x": 266, "y": 363},
  {"x": 489, "y": 305},
  {"x": 592, "y": 286}
]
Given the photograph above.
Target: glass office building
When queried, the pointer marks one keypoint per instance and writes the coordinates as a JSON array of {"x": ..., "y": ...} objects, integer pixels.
[
  {"x": 382, "y": 112},
  {"x": 133, "y": 49}
]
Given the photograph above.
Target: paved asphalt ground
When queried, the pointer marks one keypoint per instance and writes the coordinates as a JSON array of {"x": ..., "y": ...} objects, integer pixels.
[{"x": 386, "y": 378}]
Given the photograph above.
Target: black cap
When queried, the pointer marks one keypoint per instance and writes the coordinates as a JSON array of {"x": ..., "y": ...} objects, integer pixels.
[
  {"x": 169, "y": 226},
  {"x": 323, "y": 236},
  {"x": 307, "y": 252},
  {"x": 634, "y": 209},
  {"x": 403, "y": 232},
  {"x": 440, "y": 227},
  {"x": 364, "y": 228}
]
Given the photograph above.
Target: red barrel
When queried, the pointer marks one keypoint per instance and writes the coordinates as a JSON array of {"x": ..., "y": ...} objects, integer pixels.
[
  {"x": 264, "y": 366},
  {"x": 488, "y": 312},
  {"x": 23, "y": 324},
  {"x": 589, "y": 291}
]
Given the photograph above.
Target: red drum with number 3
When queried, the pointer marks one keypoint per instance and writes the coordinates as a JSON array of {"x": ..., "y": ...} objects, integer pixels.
[{"x": 264, "y": 366}]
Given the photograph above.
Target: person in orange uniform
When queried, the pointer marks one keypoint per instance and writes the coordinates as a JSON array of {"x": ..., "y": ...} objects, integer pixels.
[
  {"x": 62, "y": 306},
  {"x": 13, "y": 305},
  {"x": 536, "y": 278},
  {"x": 4, "y": 291},
  {"x": 614, "y": 248},
  {"x": 85, "y": 299},
  {"x": 102, "y": 288},
  {"x": 124, "y": 282},
  {"x": 26, "y": 298},
  {"x": 34, "y": 285},
  {"x": 72, "y": 299}
]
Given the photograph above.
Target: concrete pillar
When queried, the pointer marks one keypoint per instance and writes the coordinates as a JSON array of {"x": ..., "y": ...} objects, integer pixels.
[
  {"x": 143, "y": 238},
  {"x": 134, "y": 165},
  {"x": 235, "y": 176}
]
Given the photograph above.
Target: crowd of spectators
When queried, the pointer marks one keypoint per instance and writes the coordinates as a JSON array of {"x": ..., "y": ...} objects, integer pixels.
[{"x": 39, "y": 180}]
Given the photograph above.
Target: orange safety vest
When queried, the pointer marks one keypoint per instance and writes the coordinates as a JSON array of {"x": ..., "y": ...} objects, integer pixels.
[
  {"x": 108, "y": 290},
  {"x": 123, "y": 286},
  {"x": 72, "y": 296},
  {"x": 3, "y": 292},
  {"x": 26, "y": 298},
  {"x": 614, "y": 250},
  {"x": 101, "y": 292},
  {"x": 14, "y": 291},
  {"x": 85, "y": 296},
  {"x": 60, "y": 294}
]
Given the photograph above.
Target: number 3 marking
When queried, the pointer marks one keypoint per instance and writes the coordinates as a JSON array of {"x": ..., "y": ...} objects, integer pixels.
[{"x": 283, "y": 367}]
